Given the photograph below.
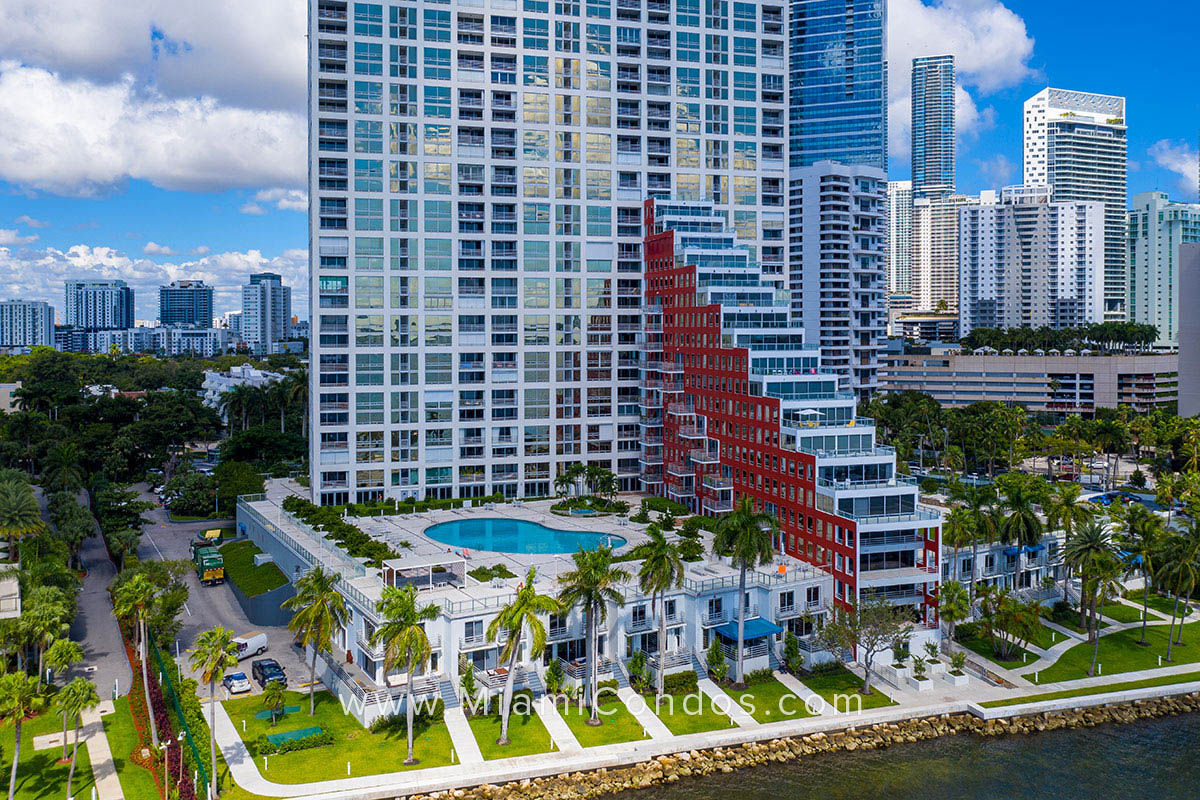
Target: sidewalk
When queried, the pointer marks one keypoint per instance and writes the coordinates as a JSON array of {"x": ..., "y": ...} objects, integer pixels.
[
  {"x": 104, "y": 769},
  {"x": 465, "y": 745}
]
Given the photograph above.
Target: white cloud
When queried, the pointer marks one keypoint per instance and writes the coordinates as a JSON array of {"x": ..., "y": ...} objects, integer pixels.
[
  {"x": 156, "y": 249},
  {"x": 998, "y": 170},
  {"x": 254, "y": 209},
  {"x": 9, "y": 236},
  {"x": 38, "y": 274},
  {"x": 284, "y": 199},
  {"x": 30, "y": 222},
  {"x": 991, "y": 50},
  {"x": 75, "y": 137},
  {"x": 1180, "y": 158},
  {"x": 185, "y": 49},
  {"x": 202, "y": 250}
]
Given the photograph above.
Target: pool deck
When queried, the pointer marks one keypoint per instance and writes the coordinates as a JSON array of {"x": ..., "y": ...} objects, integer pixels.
[{"x": 401, "y": 529}]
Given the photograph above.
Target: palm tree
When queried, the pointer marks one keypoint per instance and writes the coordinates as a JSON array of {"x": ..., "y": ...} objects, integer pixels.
[
  {"x": 60, "y": 657},
  {"x": 745, "y": 535},
  {"x": 562, "y": 484},
  {"x": 1065, "y": 511},
  {"x": 214, "y": 652},
  {"x": 45, "y": 623},
  {"x": 592, "y": 585},
  {"x": 402, "y": 634},
  {"x": 958, "y": 531},
  {"x": 1166, "y": 490},
  {"x": 278, "y": 394},
  {"x": 1141, "y": 531},
  {"x": 19, "y": 514},
  {"x": 62, "y": 468},
  {"x": 525, "y": 611},
  {"x": 76, "y": 697},
  {"x": 297, "y": 390},
  {"x": 1022, "y": 526},
  {"x": 1105, "y": 582},
  {"x": 1087, "y": 552},
  {"x": 980, "y": 502},
  {"x": 319, "y": 610},
  {"x": 131, "y": 599},
  {"x": 237, "y": 403},
  {"x": 273, "y": 697},
  {"x": 19, "y": 699},
  {"x": 954, "y": 604},
  {"x": 661, "y": 571}
]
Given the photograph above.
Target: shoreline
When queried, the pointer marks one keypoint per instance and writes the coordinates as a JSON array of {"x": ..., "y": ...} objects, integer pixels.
[
  {"x": 667, "y": 769},
  {"x": 598, "y": 773}
]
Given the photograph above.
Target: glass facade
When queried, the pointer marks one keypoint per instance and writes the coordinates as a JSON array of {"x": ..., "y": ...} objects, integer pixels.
[{"x": 838, "y": 89}]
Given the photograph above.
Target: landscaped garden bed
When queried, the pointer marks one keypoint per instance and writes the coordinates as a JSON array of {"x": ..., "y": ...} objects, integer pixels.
[{"x": 252, "y": 579}]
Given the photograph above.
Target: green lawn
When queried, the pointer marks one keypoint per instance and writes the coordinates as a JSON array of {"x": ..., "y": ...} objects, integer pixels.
[
  {"x": 39, "y": 776},
  {"x": 1162, "y": 604},
  {"x": 691, "y": 713},
  {"x": 526, "y": 733},
  {"x": 136, "y": 782},
  {"x": 1165, "y": 680},
  {"x": 841, "y": 689},
  {"x": 982, "y": 645},
  {"x": 1120, "y": 652},
  {"x": 251, "y": 579},
  {"x": 1047, "y": 638},
  {"x": 770, "y": 701},
  {"x": 1123, "y": 613},
  {"x": 617, "y": 723},
  {"x": 368, "y": 753}
]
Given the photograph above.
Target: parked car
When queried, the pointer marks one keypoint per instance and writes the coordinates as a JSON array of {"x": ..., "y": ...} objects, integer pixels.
[
  {"x": 266, "y": 670},
  {"x": 251, "y": 644},
  {"x": 236, "y": 683}
]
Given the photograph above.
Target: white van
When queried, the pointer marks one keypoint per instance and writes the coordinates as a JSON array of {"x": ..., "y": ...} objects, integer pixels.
[{"x": 250, "y": 644}]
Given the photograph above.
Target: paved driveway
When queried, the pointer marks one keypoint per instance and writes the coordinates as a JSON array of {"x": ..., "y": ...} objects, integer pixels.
[{"x": 209, "y": 606}]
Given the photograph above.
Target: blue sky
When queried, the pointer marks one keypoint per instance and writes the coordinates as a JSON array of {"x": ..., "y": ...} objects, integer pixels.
[{"x": 134, "y": 142}]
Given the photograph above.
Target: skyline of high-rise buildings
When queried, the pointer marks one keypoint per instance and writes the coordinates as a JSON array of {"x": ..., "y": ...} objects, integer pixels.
[
  {"x": 96, "y": 305},
  {"x": 1158, "y": 228}
]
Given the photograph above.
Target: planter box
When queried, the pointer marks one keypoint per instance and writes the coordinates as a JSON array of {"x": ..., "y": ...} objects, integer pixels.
[
  {"x": 920, "y": 686},
  {"x": 955, "y": 680},
  {"x": 934, "y": 668},
  {"x": 894, "y": 675}
]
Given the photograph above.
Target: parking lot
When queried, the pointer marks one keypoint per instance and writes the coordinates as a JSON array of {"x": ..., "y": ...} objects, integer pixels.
[{"x": 209, "y": 606}]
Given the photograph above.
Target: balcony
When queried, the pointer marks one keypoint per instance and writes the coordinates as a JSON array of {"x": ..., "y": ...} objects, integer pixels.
[
  {"x": 714, "y": 506},
  {"x": 701, "y": 456}
]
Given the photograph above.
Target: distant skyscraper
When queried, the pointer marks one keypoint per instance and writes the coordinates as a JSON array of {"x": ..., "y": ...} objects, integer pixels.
[
  {"x": 1158, "y": 228},
  {"x": 934, "y": 283},
  {"x": 26, "y": 323},
  {"x": 1075, "y": 143},
  {"x": 933, "y": 126},
  {"x": 838, "y": 95},
  {"x": 187, "y": 303},
  {"x": 1028, "y": 261},
  {"x": 900, "y": 230},
  {"x": 266, "y": 312},
  {"x": 98, "y": 305}
]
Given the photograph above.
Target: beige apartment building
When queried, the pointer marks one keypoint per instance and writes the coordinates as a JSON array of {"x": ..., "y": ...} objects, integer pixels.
[{"x": 1065, "y": 383}]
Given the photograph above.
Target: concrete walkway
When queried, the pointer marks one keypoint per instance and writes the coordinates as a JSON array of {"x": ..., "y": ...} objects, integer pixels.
[
  {"x": 560, "y": 732},
  {"x": 642, "y": 712},
  {"x": 465, "y": 746},
  {"x": 104, "y": 769},
  {"x": 727, "y": 705},
  {"x": 800, "y": 690}
]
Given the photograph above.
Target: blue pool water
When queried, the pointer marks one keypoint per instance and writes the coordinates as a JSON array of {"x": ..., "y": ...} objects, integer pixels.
[{"x": 517, "y": 536}]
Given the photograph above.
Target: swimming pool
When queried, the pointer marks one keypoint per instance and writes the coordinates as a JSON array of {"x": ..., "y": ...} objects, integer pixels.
[{"x": 501, "y": 535}]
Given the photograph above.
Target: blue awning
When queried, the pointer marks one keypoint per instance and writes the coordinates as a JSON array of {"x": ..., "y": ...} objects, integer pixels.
[
  {"x": 1011, "y": 551},
  {"x": 1033, "y": 548},
  {"x": 756, "y": 628}
]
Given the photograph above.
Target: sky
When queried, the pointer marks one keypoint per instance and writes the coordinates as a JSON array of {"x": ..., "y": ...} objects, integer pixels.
[{"x": 153, "y": 140}]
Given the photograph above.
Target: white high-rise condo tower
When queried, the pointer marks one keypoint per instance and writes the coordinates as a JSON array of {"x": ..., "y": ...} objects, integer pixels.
[
  {"x": 1075, "y": 143},
  {"x": 477, "y": 174}
]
